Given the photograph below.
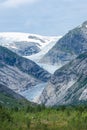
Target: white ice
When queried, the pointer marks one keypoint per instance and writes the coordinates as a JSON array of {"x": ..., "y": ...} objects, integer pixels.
[{"x": 34, "y": 92}]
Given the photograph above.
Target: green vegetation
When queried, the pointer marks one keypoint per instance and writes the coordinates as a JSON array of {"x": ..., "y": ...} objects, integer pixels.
[
  {"x": 9, "y": 101},
  {"x": 41, "y": 118}
]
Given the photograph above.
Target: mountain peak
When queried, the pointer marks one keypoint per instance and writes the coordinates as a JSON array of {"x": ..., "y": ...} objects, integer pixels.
[
  {"x": 25, "y": 44},
  {"x": 84, "y": 24}
]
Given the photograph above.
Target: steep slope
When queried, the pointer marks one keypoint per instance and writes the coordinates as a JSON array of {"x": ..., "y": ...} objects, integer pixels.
[
  {"x": 68, "y": 85},
  {"x": 37, "y": 57},
  {"x": 68, "y": 47},
  {"x": 9, "y": 98},
  {"x": 19, "y": 73},
  {"x": 24, "y": 44}
]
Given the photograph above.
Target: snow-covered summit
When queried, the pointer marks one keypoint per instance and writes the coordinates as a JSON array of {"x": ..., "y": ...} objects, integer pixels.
[
  {"x": 16, "y": 36},
  {"x": 24, "y": 44}
]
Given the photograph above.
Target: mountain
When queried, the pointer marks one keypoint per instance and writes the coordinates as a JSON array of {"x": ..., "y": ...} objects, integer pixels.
[
  {"x": 30, "y": 46},
  {"x": 68, "y": 47},
  {"x": 19, "y": 73},
  {"x": 9, "y": 98},
  {"x": 68, "y": 86},
  {"x": 24, "y": 44},
  {"x": 37, "y": 57}
]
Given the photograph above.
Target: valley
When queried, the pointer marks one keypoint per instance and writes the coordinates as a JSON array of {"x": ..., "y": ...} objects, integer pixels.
[
  {"x": 43, "y": 65},
  {"x": 53, "y": 76}
]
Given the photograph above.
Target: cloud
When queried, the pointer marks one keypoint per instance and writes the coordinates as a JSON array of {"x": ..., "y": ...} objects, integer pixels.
[{"x": 16, "y": 3}]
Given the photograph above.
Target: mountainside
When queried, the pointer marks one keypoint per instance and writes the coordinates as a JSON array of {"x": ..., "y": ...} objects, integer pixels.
[
  {"x": 68, "y": 85},
  {"x": 37, "y": 57},
  {"x": 24, "y": 44},
  {"x": 9, "y": 98},
  {"x": 68, "y": 47},
  {"x": 19, "y": 73}
]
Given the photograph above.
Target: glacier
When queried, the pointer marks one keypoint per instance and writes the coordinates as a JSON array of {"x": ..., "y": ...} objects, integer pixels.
[{"x": 33, "y": 93}]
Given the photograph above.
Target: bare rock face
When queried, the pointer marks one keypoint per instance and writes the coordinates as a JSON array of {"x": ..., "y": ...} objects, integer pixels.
[
  {"x": 68, "y": 85},
  {"x": 6, "y": 91},
  {"x": 68, "y": 47},
  {"x": 19, "y": 73},
  {"x": 10, "y": 99}
]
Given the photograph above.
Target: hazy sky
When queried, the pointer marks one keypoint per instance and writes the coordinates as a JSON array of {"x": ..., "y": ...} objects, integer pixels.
[{"x": 45, "y": 17}]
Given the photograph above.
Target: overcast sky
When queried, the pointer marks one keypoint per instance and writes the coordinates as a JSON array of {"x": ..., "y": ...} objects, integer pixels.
[{"x": 45, "y": 17}]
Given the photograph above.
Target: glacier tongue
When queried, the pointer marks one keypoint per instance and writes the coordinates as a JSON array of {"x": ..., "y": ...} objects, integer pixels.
[
  {"x": 33, "y": 93},
  {"x": 45, "y": 49},
  {"x": 36, "y": 57},
  {"x": 50, "y": 68}
]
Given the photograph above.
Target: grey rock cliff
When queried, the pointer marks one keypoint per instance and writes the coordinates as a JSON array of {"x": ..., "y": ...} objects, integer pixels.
[
  {"x": 68, "y": 85},
  {"x": 19, "y": 73},
  {"x": 68, "y": 47}
]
